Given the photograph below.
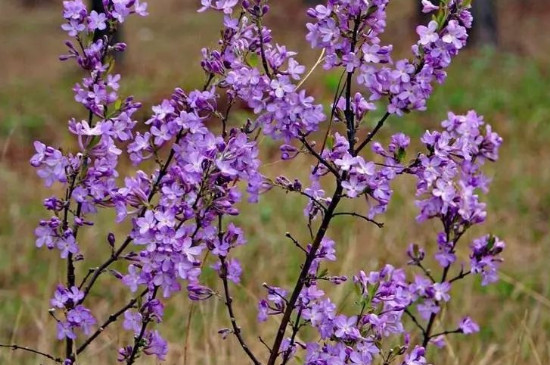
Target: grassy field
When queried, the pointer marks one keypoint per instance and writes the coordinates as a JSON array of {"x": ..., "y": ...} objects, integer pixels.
[{"x": 509, "y": 87}]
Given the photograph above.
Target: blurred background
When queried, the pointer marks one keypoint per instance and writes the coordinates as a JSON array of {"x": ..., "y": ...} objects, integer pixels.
[{"x": 505, "y": 77}]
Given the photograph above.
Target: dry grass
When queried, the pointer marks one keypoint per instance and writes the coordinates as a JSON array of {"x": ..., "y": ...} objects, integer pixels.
[{"x": 511, "y": 91}]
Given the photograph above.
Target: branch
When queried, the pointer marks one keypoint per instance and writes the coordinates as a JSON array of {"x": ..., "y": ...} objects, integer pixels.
[
  {"x": 295, "y": 330},
  {"x": 320, "y": 158},
  {"x": 262, "y": 48},
  {"x": 378, "y": 224},
  {"x": 415, "y": 321},
  {"x": 371, "y": 135},
  {"x": 460, "y": 276},
  {"x": 114, "y": 257},
  {"x": 303, "y": 275},
  {"x": 139, "y": 338},
  {"x": 444, "y": 333},
  {"x": 229, "y": 305},
  {"x": 28, "y": 349},
  {"x": 112, "y": 318},
  {"x": 349, "y": 114},
  {"x": 288, "y": 235}
]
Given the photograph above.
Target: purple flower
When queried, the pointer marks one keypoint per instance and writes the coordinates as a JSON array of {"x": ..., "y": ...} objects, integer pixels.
[
  {"x": 65, "y": 330},
  {"x": 467, "y": 326},
  {"x": 132, "y": 321},
  {"x": 428, "y": 6},
  {"x": 97, "y": 21},
  {"x": 428, "y": 34},
  {"x": 415, "y": 357},
  {"x": 81, "y": 317},
  {"x": 346, "y": 327},
  {"x": 60, "y": 297},
  {"x": 440, "y": 291},
  {"x": 156, "y": 345}
]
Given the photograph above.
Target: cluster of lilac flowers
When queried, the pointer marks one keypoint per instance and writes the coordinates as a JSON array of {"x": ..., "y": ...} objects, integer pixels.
[
  {"x": 178, "y": 212},
  {"x": 449, "y": 180},
  {"x": 349, "y": 32},
  {"x": 77, "y": 316}
]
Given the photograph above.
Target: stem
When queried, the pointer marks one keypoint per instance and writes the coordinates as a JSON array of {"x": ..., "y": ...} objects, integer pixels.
[
  {"x": 303, "y": 274},
  {"x": 28, "y": 349},
  {"x": 139, "y": 338},
  {"x": 378, "y": 224},
  {"x": 112, "y": 318},
  {"x": 229, "y": 304},
  {"x": 431, "y": 321},
  {"x": 329, "y": 213},
  {"x": 371, "y": 135},
  {"x": 295, "y": 329},
  {"x": 444, "y": 333},
  {"x": 350, "y": 115},
  {"x": 415, "y": 321},
  {"x": 321, "y": 159},
  {"x": 262, "y": 48}
]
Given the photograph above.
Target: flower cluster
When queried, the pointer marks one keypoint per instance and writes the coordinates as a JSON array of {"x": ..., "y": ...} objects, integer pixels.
[
  {"x": 269, "y": 89},
  {"x": 350, "y": 32},
  {"x": 77, "y": 316},
  {"x": 388, "y": 299}
]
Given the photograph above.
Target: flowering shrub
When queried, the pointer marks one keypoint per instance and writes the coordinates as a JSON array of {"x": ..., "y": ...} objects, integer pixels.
[{"x": 180, "y": 212}]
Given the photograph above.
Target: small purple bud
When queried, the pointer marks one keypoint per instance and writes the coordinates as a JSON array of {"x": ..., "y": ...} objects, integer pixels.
[
  {"x": 116, "y": 274},
  {"x": 224, "y": 332},
  {"x": 111, "y": 239}
]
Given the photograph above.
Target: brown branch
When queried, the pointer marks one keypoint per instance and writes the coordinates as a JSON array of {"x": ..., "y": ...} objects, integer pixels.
[
  {"x": 320, "y": 158},
  {"x": 229, "y": 304},
  {"x": 352, "y": 214},
  {"x": 138, "y": 339},
  {"x": 303, "y": 275},
  {"x": 373, "y": 133},
  {"x": 112, "y": 318},
  {"x": 28, "y": 349}
]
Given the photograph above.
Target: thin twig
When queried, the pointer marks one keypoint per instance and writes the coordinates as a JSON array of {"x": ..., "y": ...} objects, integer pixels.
[
  {"x": 462, "y": 274},
  {"x": 90, "y": 272},
  {"x": 317, "y": 63},
  {"x": 295, "y": 330},
  {"x": 229, "y": 304},
  {"x": 112, "y": 318},
  {"x": 296, "y": 243},
  {"x": 229, "y": 300},
  {"x": 138, "y": 339},
  {"x": 337, "y": 196},
  {"x": 378, "y": 224},
  {"x": 373, "y": 133},
  {"x": 28, "y": 349},
  {"x": 415, "y": 321},
  {"x": 426, "y": 271},
  {"x": 444, "y": 333},
  {"x": 320, "y": 158}
]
